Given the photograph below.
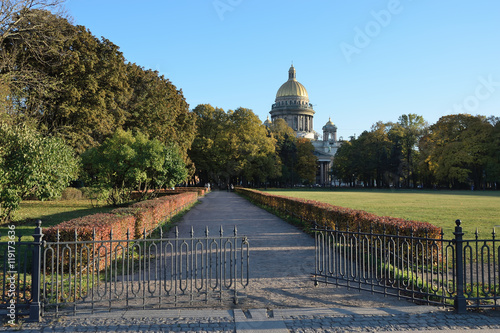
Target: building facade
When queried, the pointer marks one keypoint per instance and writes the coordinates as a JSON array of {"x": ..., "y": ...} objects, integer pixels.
[{"x": 292, "y": 104}]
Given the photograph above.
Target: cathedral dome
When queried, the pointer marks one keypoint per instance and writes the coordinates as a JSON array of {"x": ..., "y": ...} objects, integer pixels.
[
  {"x": 292, "y": 87},
  {"x": 329, "y": 126}
]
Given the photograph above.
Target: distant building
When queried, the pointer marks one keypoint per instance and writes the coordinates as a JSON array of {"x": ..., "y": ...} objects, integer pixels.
[{"x": 292, "y": 105}]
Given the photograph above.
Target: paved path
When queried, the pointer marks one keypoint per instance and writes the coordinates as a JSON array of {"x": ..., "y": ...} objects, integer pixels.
[{"x": 281, "y": 297}]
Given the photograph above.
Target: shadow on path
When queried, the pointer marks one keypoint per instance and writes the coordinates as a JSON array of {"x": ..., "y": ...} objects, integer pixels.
[{"x": 281, "y": 256}]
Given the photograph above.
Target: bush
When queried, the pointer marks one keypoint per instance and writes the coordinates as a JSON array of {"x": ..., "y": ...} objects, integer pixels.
[
  {"x": 32, "y": 166},
  {"x": 71, "y": 193},
  {"x": 335, "y": 217}
]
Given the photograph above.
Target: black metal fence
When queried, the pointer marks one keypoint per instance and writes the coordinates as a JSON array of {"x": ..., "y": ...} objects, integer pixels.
[
  {"x": 79, "y": 276},
  {"x": 463, "y": 273}
]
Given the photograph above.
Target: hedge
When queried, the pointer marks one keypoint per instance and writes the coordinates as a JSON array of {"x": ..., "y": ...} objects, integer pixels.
[
  {"x": 125, "y": 223},
  {"x": 140, "y": 216},
  {"x": 335, "y": 217},
  {"x": 151, "y": 212}
]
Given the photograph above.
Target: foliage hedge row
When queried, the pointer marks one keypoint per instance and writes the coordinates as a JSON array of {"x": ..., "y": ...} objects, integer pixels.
[
  {"x": 201, "y": 192},
  {"x": 125, "y": 223},
  {"x": 136, "y": 218},
  {"x": 330, "y": 216}
]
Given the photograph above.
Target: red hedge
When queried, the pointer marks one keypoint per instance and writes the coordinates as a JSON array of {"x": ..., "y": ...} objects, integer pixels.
[
  {"x": 327, "y": 215},
  {"x": 135, "y": 218}
]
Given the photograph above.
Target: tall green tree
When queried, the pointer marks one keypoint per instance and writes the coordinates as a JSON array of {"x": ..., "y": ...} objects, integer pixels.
[
  {"x": 32, "y": 165},
  {"x": 492, "y": 167},
  {"x": 81, "y": 83},
  {"x": 158, "y": 109},
  {"x": 343, "y": 163},
  {"x": 208, "y": 152}
]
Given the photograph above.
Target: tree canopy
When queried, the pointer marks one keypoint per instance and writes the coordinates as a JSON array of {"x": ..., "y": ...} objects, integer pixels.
[
  {"x": 126, "y": 162},
  {"x": 458, "y": 151},
  {"x": 80, "y": 88}
]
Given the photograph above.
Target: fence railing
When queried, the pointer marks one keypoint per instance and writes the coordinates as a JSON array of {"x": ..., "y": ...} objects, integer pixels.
[
  {"x": 457, "y": 272},
  {"x": 75, "y": 276}
]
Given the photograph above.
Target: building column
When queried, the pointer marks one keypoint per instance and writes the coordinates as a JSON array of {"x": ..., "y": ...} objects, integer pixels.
[{"x": 321, "y": 167}]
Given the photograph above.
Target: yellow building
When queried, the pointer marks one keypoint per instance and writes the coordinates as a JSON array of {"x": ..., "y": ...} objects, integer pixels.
[{"x": 292, "y": 104}]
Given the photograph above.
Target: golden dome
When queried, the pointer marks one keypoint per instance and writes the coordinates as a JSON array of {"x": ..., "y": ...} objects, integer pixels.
[{"x": 292, "y": 87}]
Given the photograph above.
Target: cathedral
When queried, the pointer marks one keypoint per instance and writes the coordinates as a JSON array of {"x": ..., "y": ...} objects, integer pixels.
[{"x": 292, "y": 105}]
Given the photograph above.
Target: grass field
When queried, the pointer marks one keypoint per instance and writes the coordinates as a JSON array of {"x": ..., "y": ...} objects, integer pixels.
[{"x": 440, "y": 208}]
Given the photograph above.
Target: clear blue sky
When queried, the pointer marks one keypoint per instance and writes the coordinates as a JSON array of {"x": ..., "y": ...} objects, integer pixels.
[{"x": 360, "y": 61}]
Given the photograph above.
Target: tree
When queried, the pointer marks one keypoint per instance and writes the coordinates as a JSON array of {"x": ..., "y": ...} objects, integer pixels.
[
  {"x": 455, "y": 150},
  {"x": 247, "y": 141},
  {"x": 84, "y": 85},
  {"x": 307, "y": 163},
  {"x": 286, "y": 149},
  {"x": 158, "y": 109},
  {"x": 32, "y": 165},
  {"x": 127, "y": 162},
  {"x": 232, "y": 146},
  {"x": 14, "y": 13},
  {"x": 343, "y": 163},
  {"x": 406, "y": 134},
  {"x": 492, "y": 167},
  {"x": 208, "y": 152}
]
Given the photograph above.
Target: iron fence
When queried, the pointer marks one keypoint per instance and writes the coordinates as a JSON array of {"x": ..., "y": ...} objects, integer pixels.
[
  {"x": 457, "y": 272},
  {"x": 101, "y": 274}
]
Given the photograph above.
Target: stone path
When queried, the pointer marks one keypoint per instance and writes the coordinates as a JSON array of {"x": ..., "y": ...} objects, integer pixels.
[{"x": 281, "y": 297}]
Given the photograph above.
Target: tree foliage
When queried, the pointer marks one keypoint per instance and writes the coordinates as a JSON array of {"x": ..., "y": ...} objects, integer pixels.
[
  {"x": 307, "y": 162},
  {"x": 80, "y": 88},
  {"x": 32, "y": 165},
  {"x": 231, "y": 146},
  {"x": 458, "y": 151},
  {"x": 158, "y": 109},
  {"x": 126, "y": 162}
]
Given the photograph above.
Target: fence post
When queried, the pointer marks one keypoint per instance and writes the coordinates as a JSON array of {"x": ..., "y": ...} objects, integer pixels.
[
  {"x": 35, "y": 278},
  {"x": 459, "y": 303}
]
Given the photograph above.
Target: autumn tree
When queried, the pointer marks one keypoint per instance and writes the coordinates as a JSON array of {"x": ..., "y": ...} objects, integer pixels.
[
  {"x": 455, "y": 152},
  {"x": 232, "y": 146}
]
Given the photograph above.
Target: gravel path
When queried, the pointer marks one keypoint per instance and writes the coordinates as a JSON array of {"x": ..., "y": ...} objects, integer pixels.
[
  {"x": 281, "y": 257},
  {"x": 281, "y": 297}
]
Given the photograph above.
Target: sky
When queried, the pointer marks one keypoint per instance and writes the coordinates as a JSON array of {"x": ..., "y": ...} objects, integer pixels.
[{"x": 360, "y": 61}]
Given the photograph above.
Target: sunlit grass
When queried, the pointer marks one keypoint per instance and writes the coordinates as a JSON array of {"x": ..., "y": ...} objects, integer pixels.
[{"x": 476, "y": 209}]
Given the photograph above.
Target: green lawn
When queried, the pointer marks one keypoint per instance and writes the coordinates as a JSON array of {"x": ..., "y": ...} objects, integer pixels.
[
  {"x": 441, "y": 208},
  {"x": 51, "y": 213}
]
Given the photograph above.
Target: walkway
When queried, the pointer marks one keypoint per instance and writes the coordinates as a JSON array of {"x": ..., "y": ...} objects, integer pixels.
[{"x": 281, "y": 297}]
